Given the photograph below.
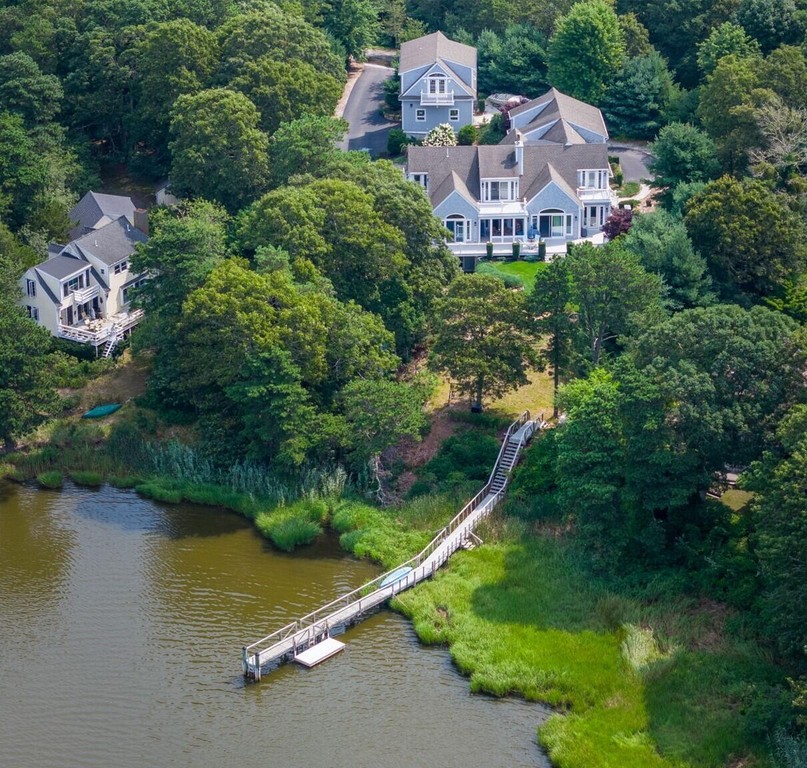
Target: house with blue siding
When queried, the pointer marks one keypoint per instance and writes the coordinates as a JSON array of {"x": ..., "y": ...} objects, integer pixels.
[
  {"x": 556, "y": 118},
  {"x": 438, "y": 84},
  {"x": 515, "y": 192}
]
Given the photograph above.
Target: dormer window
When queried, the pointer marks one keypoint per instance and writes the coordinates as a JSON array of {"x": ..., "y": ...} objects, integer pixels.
[
  {"x": 592, "y": 179},
  {"x": 420, "y": 178},
  {"x": 493, "y": 191}
]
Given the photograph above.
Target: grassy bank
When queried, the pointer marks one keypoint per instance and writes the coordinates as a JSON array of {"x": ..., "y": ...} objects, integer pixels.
[{"x": 638, "y": 684}]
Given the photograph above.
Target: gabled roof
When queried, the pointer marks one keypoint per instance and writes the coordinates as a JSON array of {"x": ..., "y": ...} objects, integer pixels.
[
  {"x": 462, "y": 168},
  {"x": 111, "y": 243},
  {"x": 61, "y": 266},
  {"x": 451, "y": 183},
  {"x": 95, "y": 210},
  {"x": 545, "y": 176},
  {"x": 425, "y": 50},
  {"x": 569, "y": 115},
  {"x": 440, "y": 66}
]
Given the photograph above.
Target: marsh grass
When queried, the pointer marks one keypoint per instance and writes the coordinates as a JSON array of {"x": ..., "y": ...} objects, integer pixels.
[
  {"x": 51, "y": 479},
  {"x": 87, "y": 477},
  {"x": 296, "y": 525},
  {"x": 523, "y": 617}
]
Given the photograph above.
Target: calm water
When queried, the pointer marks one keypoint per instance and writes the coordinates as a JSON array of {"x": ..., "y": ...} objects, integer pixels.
[{"x": 121, "y": 623}]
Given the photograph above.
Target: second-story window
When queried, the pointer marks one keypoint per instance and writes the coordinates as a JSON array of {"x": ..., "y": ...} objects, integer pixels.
[
  {"x": 453, "y": 115},
  {"x": 437, "y": 84},
  {"x": 499, "y": 190},
  {"x": 121, "y": 266},
  {"x": 422, "y": 179},
  {"x": 593, "y": 179},
  {"x": 30, "y": 288}
]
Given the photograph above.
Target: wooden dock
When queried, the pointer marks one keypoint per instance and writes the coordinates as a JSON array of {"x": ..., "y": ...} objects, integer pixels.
[{"x": 296, "y": 638}]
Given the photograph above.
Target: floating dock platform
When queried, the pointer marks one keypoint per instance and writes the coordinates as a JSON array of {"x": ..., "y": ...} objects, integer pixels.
[{"x": 319, "y": 652}]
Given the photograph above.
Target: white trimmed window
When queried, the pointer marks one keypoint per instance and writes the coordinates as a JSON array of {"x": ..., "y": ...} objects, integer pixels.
[
  {"x": 420, "y": 178},
  {"x": 125, "y": 291},
  {"x": 420, "y": 115},
  {"x": 33, "y": 313},
  {"x": 458, "y": 226},
  {"x": 121, "y": 266},
  {"x": 30, "y": 288},
  {"x": 454, "y": 115},
  {"x": 437, "y": 83},
  {"x": 592, "y": 179},
  {"x": 499, "y": 190}
]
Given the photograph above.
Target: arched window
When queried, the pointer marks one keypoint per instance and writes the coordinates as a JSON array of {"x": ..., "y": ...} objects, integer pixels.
[
  {"x": 553, "y": 222},
  {"x": 458, "y": 226},
  {"x": 437, "y": 83}
]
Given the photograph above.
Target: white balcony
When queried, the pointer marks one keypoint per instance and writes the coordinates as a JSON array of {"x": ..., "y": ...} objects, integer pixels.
[
  {"x": 592, "y": 194},
  {"x": 83, "y": 295},
  {"x": 437, "y": 99}
]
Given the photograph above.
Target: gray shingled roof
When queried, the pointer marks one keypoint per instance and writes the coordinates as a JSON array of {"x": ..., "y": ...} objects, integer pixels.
[
  {"x": 111, "y": 243},
  {"x": 561, "y": 107},
  {"x": 62, "y": 266},
  {"x": 425, "y": 50},
  {"x": 542, "y": 163},
  {"x": 96, "y": 209}
]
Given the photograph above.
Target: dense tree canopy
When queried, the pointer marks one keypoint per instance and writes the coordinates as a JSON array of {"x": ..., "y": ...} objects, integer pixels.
[
  {"x": 218, "y": 150},
  {"x": 751, "y": 238},
  {"x": 586, "y": 50}
]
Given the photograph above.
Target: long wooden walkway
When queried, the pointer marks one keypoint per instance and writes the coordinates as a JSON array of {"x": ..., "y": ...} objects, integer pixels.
[{"x": 296, "y": 637}]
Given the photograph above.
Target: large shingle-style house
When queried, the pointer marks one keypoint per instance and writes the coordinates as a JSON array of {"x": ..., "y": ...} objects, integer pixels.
[
  {"x": 438, "y": 84},
  {"x": 83, "y": 290},
  {"x": 506, "y": 192},
  {"x": 556, "y": 118},
  {"x": 547, "y": 180}
]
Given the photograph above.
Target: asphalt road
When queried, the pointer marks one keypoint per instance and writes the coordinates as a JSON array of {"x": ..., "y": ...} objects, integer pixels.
[
  {"x": 633, "y": 161},
  {"x": 368, "y": 129}
]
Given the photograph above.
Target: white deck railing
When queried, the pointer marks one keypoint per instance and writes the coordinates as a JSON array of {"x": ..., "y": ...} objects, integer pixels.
[
  {"x": 318, "y": 623},
  {"x": 111, "y": 328},
  {"x": 437, "y": 99}
]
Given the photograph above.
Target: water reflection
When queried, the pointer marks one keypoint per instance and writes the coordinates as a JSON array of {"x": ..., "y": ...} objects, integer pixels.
[{"x": 137, "y": 663}]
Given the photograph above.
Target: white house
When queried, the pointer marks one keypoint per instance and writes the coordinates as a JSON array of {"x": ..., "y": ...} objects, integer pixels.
[
  {"x": 83, "y": 290},
  {"x": 438, "y": 84}
]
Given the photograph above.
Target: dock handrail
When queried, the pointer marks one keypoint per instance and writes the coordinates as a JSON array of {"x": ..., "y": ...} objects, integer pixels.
[{"x": 371, "y": 590}]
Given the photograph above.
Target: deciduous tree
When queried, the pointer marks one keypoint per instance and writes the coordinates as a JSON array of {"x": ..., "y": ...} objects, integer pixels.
[
  {"x": 586, "y": 50},
  {"x": 751, "y": 239},
  {"x": 219, "y": 152},
  {"x": 482, "y": 337}
]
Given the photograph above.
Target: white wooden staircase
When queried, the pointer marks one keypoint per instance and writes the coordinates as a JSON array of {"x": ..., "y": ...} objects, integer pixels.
[{"x": 295, "y": 638}]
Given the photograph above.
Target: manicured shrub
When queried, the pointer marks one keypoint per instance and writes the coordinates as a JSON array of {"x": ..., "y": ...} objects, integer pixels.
[
  {"x": 50, "y": 479},
  {"x": 468, "y": 135},
  {"x": 87, "y": 478}
]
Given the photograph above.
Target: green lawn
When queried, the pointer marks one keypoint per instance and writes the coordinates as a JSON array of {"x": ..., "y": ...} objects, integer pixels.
[{"x": 525, "y": 271}]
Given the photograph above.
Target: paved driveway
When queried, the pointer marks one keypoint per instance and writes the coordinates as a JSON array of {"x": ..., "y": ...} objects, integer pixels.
[
  {"x": 368, "y": 129},
  {"x": 633, "y": 161}
]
